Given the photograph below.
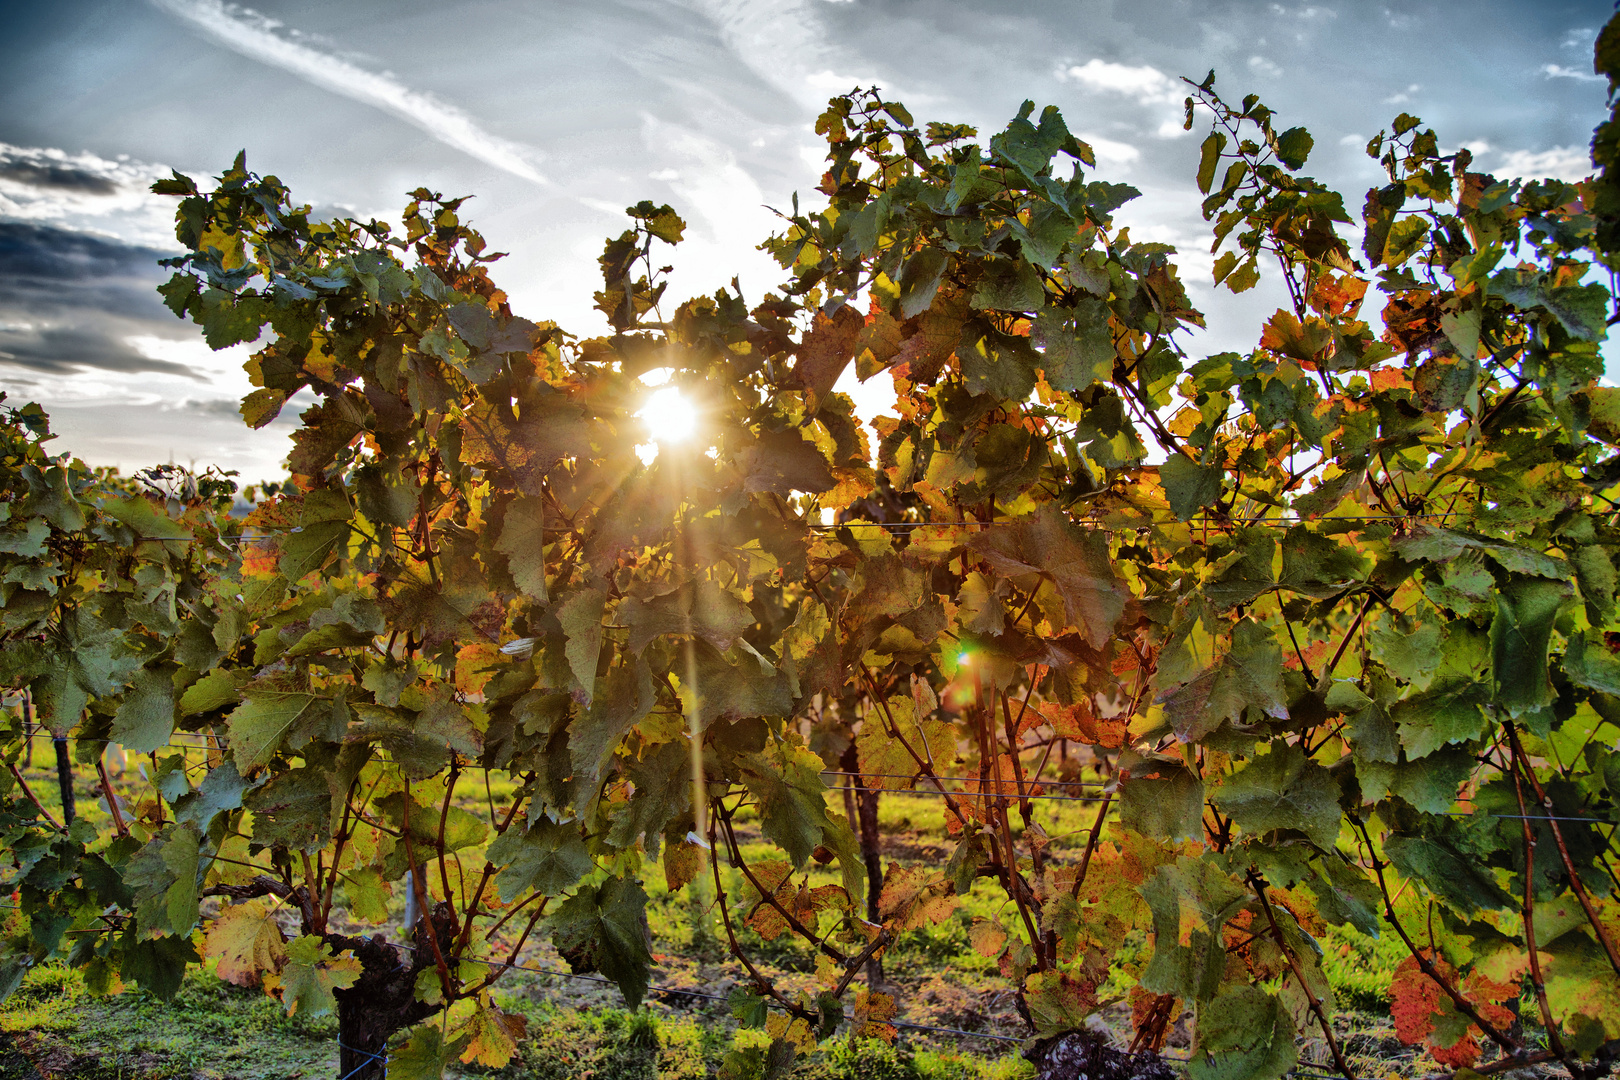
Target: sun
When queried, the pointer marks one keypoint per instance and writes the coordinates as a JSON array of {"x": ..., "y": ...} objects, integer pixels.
[{"x": 670, "y": 418}]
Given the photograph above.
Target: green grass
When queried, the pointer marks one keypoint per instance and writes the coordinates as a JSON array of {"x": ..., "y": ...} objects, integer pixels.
[{"x": 213, "y": 1031}]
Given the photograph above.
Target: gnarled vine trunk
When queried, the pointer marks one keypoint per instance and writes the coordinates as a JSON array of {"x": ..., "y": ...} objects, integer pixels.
[
  {"x": 383, "y": 999},
  {"x": 1084, "y": 1054}
]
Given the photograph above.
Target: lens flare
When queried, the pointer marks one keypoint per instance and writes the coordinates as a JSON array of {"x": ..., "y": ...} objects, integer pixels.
[{"x": 669, "y": 417}]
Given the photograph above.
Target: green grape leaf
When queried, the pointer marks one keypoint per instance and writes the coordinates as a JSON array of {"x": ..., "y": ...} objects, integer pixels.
[
  {"x": 547, "y": 858},
  {"x": 1188, "y": 486},
  {"x": 523, "y": 542},
  {"x": 786, "y": 782},
  {"x": 580, "y": 614},
  {"x": 145, "y": 718},
  {"x": 1243, "y": 1034},
  {"x": 1283, "y": 789},
  {"x": 425, "y": 1055},
  {"x": 1073, "y": 559},
  {"x": 260, "y": 725},
  {"x": 1077, "y": 348},
  {"x": 220, "y": 790},
  {"x": 1163, "y": 800},
  {"x": 603, "y": 928},
  {"x": 294, "y": 808},
  {"x": 706, "y": 610},
  {"x": 1520, "y": 633},
  {"x": 1191, "y": 900},
  {"x": 311, "y": 973},
  {"x": 158, "y": 965},
  {"x": 1452, "y": 874}
]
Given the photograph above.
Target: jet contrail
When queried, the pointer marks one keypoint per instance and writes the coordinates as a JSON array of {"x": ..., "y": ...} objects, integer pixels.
[{"x": 247, "y": 32}]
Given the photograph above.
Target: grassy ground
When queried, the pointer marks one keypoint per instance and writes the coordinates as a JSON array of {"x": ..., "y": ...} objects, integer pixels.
[{"x": 53, "y": 1028}]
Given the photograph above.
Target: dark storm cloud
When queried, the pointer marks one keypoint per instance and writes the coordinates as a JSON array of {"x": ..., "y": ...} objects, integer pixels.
[
  {"x": 51, "y": 176},
  {"x": 69, "y": 300}
]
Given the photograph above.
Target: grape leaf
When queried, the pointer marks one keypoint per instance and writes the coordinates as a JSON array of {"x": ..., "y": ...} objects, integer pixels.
[
  {"x": 492, "y": 1036},
  {"x": 311, "y": 973},
  {"x": 145, "y": 718},
  {"x": 1073, "y": 559},
  {"x": 523, "y": 542},
  {"x": 246, "y": 941},
  {"x": 1525, "y": 610},
  {"x": 1283, "y": 789},
  {"x": 1243, "y": 1034},
  {"x": 260, "y": 724},
  {"x": 603, "y": 928},
  {"x": 1191, "y": 900},
  {"x": 425, "y": 1055},
  {"x": 548, "y": 858},
  {"x": 1188, "y": 486},
  {"x": 158, "y": 964},
  {"x": 1163, "y": 800},
  {"x": 580, "y": 614}
]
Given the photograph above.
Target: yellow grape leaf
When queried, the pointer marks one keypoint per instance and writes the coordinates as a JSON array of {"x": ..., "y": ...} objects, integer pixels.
[
  {"x": 246, "y": 941},
  {"x": 367, "y": 894},
  {"x": 682, "y": 863},
  {"x": 311, "y": 973},
  {"x": 492, "y": 1036},
  {"x": 475, "y": 665}
]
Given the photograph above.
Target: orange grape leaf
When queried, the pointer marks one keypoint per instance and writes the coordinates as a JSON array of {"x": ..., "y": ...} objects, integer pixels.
[
  {"x": 1081, "y": 723},
  {"x": 914, "y": 897},
  {"x": 1413, "y": 997},
  {"x": 987, "y": 936}
]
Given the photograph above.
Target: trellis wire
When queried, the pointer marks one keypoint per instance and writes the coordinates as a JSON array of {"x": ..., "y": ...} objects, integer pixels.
[
  {"x": 41, "y": 733},
  {"x": 1202, "y": 520},
  {"x": 923, "y": 776}
]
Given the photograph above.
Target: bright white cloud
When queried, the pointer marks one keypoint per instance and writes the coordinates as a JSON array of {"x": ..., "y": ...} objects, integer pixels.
[
  {"x": 85, "y": 192},
  {"x": 1146, "y": 84},
  {"x": 247, "y": 32},
  {"x": 1263, "y": 67},
  {"x": 1560, "y": 163},
  {"x": 1558, "y": 71},
  {"x": 1111, "y": 151}
]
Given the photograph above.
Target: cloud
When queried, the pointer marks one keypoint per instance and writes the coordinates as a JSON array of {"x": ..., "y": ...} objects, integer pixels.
[
  {"x": 1264, "y": 68},
  {"x": 1579, "y": 38},
  {"x": 258, "y": 38},
  {"x": 1111, "y": 151},
  {"x": 85, "y": 192},
  {"x": 1404, "y": 96},
  {"x": 49, "y": 176},
  {"x": 70, "y": 301},
  {"x": 784, "y": 43},
  {"x": 1148, "y": 85},
  {"x": 1558, "y": 71},
  {"x": 1560, "y": 163}
]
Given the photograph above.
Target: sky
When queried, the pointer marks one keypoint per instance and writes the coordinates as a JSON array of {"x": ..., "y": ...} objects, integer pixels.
[{"x": 557, "y": 114}]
